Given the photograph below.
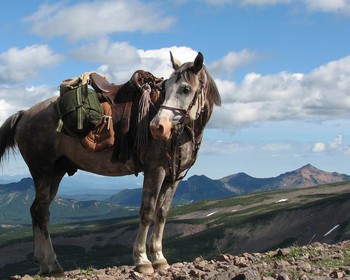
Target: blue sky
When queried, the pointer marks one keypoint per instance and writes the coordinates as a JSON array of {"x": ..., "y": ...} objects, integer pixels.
[{"x": 282, "y": 68}]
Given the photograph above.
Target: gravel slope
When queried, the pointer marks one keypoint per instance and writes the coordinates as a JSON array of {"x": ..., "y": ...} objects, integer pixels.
[{"x": 314, "y": 261}]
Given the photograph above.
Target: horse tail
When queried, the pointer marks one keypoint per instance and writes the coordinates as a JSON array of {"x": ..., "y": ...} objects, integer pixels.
[{"x": 7, "y": 134}]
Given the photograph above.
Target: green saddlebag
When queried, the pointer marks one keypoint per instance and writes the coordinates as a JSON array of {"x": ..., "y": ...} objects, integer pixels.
[{"x": 79, "y": 111}]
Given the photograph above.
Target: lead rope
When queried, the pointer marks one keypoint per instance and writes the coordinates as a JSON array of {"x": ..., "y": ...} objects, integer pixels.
[{"x": 174, "y": 159}]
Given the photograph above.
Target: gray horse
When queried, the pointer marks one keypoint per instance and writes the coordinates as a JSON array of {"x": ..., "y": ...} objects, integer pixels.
[{"x": 177, "y": 129}]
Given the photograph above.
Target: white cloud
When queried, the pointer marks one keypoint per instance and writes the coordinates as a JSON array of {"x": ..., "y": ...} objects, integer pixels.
[
  {"x": 156, "y": 61},
  {"x": 97, "y": 19},
  {"x": 321, "y": 94},
  {"x": 337, "y": 142},
  {"x": 319, "y": 147},
  {"x": 21, "y": 64},
  {"x": 104, "y": 52},
  {"x": 15, "y": 98},
  {"x": 231, "y": 61},
  {"x": 334, "y": 146},
  {"x": 342, "y": 6}
]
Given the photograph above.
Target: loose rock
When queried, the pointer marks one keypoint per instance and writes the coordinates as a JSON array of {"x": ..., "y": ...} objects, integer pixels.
[{"x": 314, "y": 261}]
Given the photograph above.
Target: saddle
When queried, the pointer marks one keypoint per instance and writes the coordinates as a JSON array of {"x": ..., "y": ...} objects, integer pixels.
[
  {"x": 102, "y": 86},
  {"x": 124, "y": 101}
]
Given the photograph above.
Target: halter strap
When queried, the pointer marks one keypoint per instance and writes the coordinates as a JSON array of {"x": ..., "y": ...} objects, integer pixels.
[{"x": 184, "y": 111}]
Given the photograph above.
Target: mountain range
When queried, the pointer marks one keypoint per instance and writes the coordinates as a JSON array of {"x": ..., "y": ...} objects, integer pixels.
[
  {"x": 198, "y": 188},
  {"x": 16, "y": 198}
]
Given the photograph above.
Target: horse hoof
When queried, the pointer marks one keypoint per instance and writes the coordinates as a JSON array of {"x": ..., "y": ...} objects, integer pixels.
[
  {"x": 57, "y": 272},
  {"x": 161, "y": 265},
  {"x": 145, "y": 268}
]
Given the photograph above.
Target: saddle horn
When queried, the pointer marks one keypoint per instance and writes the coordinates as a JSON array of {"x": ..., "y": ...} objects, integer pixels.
[{"x": 136, "y": 80}]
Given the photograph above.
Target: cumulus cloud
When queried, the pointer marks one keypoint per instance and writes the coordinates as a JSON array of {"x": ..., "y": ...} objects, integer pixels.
[
  {"x": 156, "y": 61},
  {"x": 231, "y": 61},
  {"x": 21, "y": 64},
  {"x": 321, "y": 94},
  {"x": 97, "y": 19},
  {"x": 16, "y": 97},
  {"x": 334, "y": 146},
  {"x": 105, "y": 52},
  {"x": 319, "y": 147}
]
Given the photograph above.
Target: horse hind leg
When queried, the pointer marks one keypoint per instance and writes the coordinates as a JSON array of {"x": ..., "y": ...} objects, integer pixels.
[{"x": 46, "y": 188}]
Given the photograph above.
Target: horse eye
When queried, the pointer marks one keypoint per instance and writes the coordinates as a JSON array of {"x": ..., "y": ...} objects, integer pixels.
[{"x": 186, "y": 89}]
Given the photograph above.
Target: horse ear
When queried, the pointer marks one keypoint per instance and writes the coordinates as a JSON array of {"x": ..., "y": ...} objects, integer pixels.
[
  {"x": 198, "y": 63},
  {"x": 176, "y": 64}
]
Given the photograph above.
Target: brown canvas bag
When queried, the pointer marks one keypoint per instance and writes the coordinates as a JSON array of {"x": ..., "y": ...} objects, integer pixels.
[{"x": 102, "y": 136}]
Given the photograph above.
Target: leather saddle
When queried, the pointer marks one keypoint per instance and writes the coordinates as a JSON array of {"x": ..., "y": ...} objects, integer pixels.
[
  {"x": 103, "y": 87},
  {"x": 124, "y": 100}
]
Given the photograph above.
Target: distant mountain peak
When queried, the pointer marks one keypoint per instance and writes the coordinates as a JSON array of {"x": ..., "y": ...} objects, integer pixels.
[
  {"x": 307, "y": 166},
  {"x": 308, "y": 176}
]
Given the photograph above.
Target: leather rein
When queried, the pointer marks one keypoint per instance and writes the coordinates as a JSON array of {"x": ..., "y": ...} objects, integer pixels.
[{"x": 173, "y": 154}]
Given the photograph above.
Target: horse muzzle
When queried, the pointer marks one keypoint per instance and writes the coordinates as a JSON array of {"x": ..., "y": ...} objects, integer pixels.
[{"x": 161, "y": 129}]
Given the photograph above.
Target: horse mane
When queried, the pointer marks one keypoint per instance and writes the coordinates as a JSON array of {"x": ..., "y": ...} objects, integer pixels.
[{"x": 213, "y": 92}]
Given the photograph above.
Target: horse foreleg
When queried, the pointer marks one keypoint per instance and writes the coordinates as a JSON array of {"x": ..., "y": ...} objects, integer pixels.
[
  {"x": 163, "y": 205},
  {"x": 151, "y": 188},
  {"x": 44, "y": 254}
]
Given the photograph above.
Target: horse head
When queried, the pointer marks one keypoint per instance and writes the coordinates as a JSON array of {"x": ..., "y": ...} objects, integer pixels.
[{"x": 189, "y": 92}]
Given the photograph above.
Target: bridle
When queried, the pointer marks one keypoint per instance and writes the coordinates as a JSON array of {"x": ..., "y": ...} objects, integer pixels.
[
  {"x": 185, "y": 112},
  {"x": 185, "y": 125}
]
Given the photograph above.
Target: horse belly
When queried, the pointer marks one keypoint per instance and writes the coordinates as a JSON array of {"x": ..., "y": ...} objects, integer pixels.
[{"x": 96, "y": 162}]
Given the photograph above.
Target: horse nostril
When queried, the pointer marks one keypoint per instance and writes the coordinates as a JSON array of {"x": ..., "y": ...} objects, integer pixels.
[{"x": 159, "y": 129}]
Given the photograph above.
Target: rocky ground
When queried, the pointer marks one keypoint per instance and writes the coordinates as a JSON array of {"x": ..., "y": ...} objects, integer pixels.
[{"x": 315, "y": 261}]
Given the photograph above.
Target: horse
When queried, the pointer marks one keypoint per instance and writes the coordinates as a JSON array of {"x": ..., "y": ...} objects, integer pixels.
[{"x": 176, "y": 131}]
